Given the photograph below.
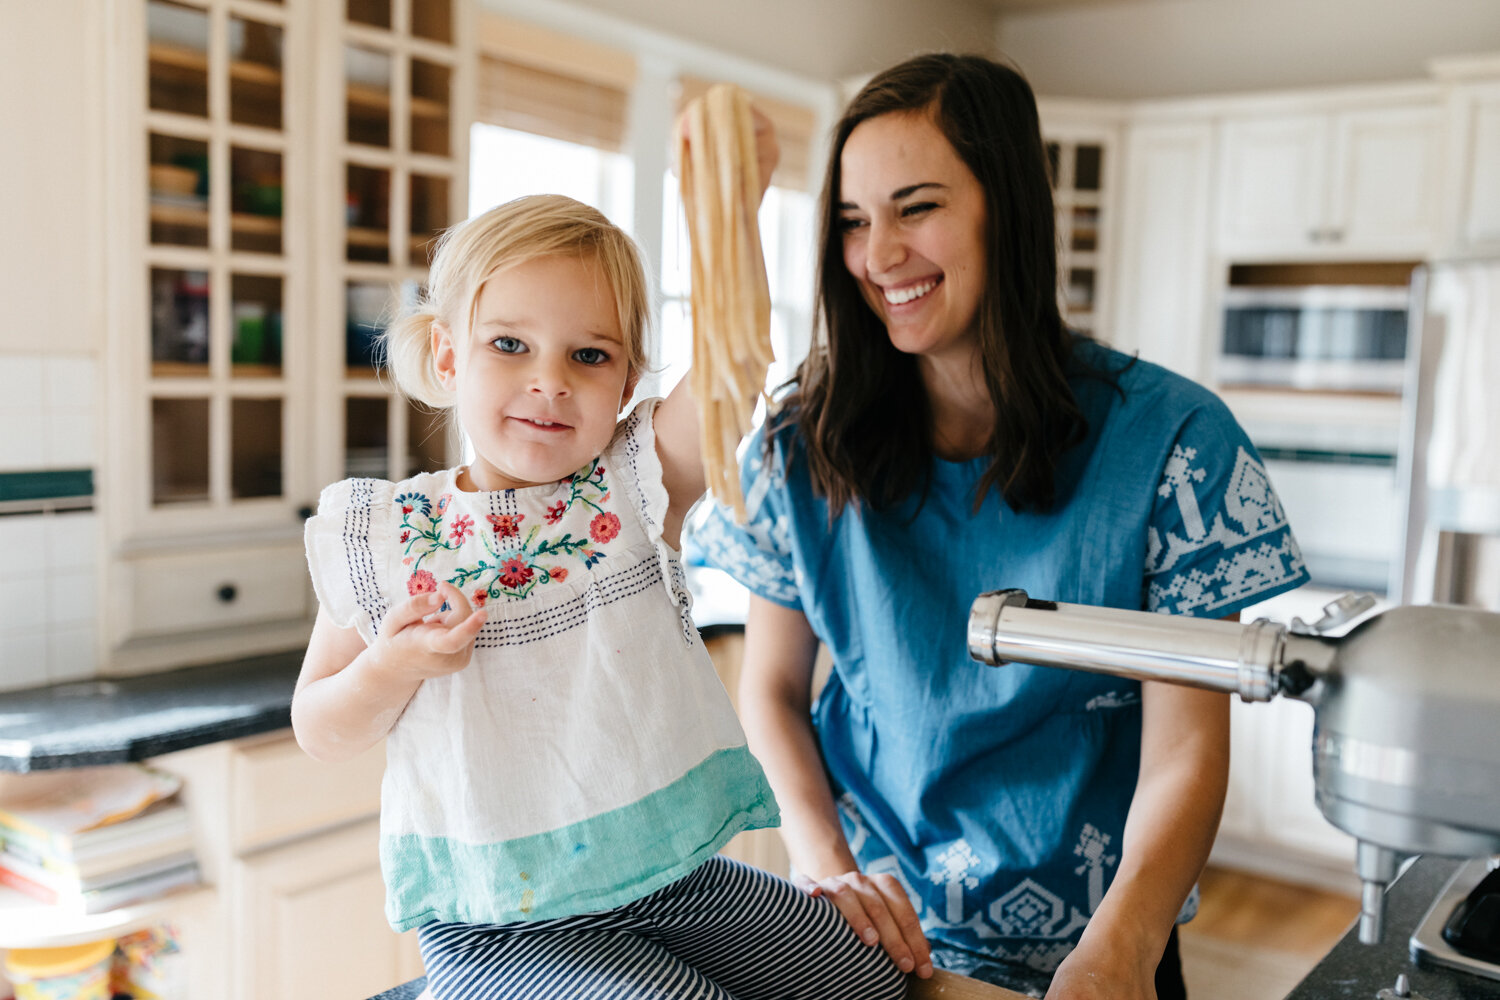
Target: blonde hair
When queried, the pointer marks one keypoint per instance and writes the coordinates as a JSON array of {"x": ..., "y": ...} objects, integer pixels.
[{"x": 543, "y": 225}]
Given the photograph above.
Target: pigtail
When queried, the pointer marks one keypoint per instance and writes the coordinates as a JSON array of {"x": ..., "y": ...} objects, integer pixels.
[{"x": 408, "y": 352}]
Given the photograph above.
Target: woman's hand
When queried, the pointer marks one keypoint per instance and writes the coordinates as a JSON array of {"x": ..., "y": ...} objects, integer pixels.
[
  {"x": 878, "y": 909},
  {"x": 1087, "y": 975},
  {"x": 417, "y": 640}
]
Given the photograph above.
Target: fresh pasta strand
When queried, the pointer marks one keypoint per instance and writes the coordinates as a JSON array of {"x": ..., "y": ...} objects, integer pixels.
[{"x": 730, "y": 299}]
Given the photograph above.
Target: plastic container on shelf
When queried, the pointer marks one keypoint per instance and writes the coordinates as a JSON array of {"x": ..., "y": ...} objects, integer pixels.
[
  {"x": 77, "y": 972},
  {"x": 148, "y": 965}
]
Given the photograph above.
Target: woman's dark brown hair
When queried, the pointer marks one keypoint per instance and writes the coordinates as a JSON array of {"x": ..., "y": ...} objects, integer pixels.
[{"x": 858, "y": 403}]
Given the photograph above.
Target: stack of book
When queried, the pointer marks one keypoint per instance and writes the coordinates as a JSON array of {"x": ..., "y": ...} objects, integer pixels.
[{"x": 93, "y": 839}]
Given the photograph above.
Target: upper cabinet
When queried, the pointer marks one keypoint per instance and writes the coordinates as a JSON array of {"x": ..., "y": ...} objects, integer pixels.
[
  {"x": 1363, "y": 183},
  {"x": 279, "y": 170},
  {"x": 1474, "y": 155},
  {"x": 1166, "y": 270},
  {"x": 1082, "y": 144}
]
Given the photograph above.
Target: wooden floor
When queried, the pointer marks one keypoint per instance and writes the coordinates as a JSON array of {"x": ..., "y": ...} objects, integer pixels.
[{"x": 1254, "y": 939}]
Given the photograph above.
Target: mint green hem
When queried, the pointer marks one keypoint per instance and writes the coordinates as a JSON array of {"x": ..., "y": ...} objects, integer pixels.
[{"x": 595, "y": 864}]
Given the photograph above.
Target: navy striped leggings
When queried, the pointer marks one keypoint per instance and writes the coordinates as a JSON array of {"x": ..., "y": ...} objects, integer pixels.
[{"x": 724, "y": 932}]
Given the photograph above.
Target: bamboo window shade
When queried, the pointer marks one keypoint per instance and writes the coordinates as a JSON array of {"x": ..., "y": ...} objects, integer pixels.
[
  {"x": 794, "y": 131},
  {"x": 542, "y": 101}
]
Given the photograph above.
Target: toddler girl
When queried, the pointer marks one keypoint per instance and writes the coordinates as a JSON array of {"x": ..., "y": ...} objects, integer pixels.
[{"x": 562, "y": 761}]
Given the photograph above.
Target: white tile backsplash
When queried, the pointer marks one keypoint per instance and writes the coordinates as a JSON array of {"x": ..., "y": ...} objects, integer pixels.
[
  {"x": 23, "y": 539},
  {"x": 71, "y": 598},
  {"x": 49, "y": 598},
  {"x": 22, "y": 381},
  {"x": 49, "y": 412},
  {"x": 23, "y": 438},
  {"x": 72, "y": 652},
  {"x": 70, "y": 439},
  {"x": 23, "y": 658},
  {"x": 70, "y": 382},
  {"x": 72, "y": 540}
]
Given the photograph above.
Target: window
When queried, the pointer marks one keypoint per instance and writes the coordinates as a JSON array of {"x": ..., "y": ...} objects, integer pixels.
[
  {"x": 507, "y": 163},
  {"x": 553, "y": 118},
  {"x": 787, "y": 235}
]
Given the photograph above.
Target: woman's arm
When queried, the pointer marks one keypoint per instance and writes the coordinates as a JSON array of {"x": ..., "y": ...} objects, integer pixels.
[
  {"x": 1170, "y": 828},
  {"x": 349, "y": 695},
  {"x": 775, "y": 699}
]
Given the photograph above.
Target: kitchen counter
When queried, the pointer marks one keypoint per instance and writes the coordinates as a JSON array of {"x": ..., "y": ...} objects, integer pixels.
[
  {"x": 115, "y": 720},
  {"x": 1353, "y": 970}
]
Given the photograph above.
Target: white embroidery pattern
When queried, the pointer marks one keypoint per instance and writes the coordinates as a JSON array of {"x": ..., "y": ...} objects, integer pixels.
[
  {"x": 1246, "y": 568},
  {"x": 1091, "y": 847},
  {"x": 953, "y": 866},
  {"x": 759, "y": 552},
  {"x": 1112, "y": 699}
]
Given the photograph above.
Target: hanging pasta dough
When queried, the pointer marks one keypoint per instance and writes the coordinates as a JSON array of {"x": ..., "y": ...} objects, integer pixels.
[{"x": 731, "y": 303}]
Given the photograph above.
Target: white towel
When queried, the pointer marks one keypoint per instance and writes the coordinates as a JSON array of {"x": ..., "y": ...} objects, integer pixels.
[{"x": 1464, "y": 450}]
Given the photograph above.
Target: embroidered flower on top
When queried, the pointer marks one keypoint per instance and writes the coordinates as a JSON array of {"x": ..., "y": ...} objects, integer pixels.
[{"x": 511, "y": 565}]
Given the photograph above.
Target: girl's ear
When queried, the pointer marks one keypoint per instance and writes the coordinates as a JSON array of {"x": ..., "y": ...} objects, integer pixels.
[
  {"x": 631, "y": 381},
  {"x": 444, "y": 355}
]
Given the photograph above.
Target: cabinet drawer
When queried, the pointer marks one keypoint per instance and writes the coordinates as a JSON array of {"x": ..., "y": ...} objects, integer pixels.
[
  {"x": 281, "y": 793},
  {"x": 226, "y": 587}
]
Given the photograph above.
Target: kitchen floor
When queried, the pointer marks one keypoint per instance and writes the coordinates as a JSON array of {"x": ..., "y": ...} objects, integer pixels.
[{"x": 1254, "y": 939}]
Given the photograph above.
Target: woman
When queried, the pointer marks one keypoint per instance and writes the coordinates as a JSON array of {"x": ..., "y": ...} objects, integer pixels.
[{"x": 947, "y": 436}]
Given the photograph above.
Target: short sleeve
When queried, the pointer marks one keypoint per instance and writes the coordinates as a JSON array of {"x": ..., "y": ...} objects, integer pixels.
[
  {"x": 342, "y": 553},
  {"x": 1218, "y": 539},
  {"x": 757, "y": 553}
]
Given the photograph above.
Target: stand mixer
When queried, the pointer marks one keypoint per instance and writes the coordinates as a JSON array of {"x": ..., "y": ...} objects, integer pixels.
[{"x": 1406, "y": 741}]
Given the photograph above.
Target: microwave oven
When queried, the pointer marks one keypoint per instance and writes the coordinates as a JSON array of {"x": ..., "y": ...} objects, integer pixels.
[{"x": 1332, "y": 338}]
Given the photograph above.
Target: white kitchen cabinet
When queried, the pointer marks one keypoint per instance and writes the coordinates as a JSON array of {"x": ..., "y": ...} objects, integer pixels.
[
  {"x": 1271, "y": 823},
  {"x": 1356, "y": 184},
  {"x": 1166, "y": 272},
  {"x": 1474, "y": 158},
  {"x": 290, "y": 847},
  {"x": 1082, "y": 143},
  {"x": 314, "y": 926},
  {"x": 277, "y": 173}
]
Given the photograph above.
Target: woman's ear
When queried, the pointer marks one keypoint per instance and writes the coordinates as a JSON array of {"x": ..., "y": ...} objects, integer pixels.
[{"x": 444, "y": 355}]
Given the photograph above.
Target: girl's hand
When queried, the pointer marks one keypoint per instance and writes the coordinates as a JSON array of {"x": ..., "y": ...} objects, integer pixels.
[
  {"x": 419, "y": 641},
  {"x": 880, "y": 912},
  {"x": 767, "y": 148}
]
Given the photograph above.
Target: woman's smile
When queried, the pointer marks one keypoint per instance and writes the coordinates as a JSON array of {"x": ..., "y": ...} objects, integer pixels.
[{"x": 913, "y": 222}]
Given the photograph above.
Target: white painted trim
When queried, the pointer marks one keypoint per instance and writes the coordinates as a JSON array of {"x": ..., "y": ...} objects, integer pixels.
[{"x": 686, "y": 56}]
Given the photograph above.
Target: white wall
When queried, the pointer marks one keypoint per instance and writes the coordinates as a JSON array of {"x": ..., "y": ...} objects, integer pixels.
[
  {"x": 1175, "y": 48},
  {"x": 51, "y": 266},
  {"x": 824, "y": 39}
]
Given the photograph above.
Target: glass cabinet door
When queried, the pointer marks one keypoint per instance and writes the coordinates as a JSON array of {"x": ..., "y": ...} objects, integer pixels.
[
  {"x": 216, "y": 252},
  {"x": 1078, "y": 190},
  {"x": 401, "y": 184}
]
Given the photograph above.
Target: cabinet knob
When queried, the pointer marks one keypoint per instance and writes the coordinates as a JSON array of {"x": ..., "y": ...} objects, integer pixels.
[
  {"x": 227, "y": 593},
  {"x": 305, "y": 512}
]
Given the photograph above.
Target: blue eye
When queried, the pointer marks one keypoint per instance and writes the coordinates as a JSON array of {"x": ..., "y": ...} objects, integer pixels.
[
  {"x": 590, "y": 356},
  {"x": 508, "y": 345}
]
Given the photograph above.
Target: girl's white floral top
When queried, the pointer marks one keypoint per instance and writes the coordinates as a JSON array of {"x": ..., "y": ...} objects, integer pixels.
[{"x": 588, "y": 754}]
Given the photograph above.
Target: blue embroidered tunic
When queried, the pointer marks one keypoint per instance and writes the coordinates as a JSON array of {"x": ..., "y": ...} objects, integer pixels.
[{"x": 999, "y": 797}]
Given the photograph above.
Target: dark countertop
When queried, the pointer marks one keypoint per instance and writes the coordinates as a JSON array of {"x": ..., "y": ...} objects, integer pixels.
[
  {"x": 1357, "y": 972},
  {"x": 115, "y": 720}
]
